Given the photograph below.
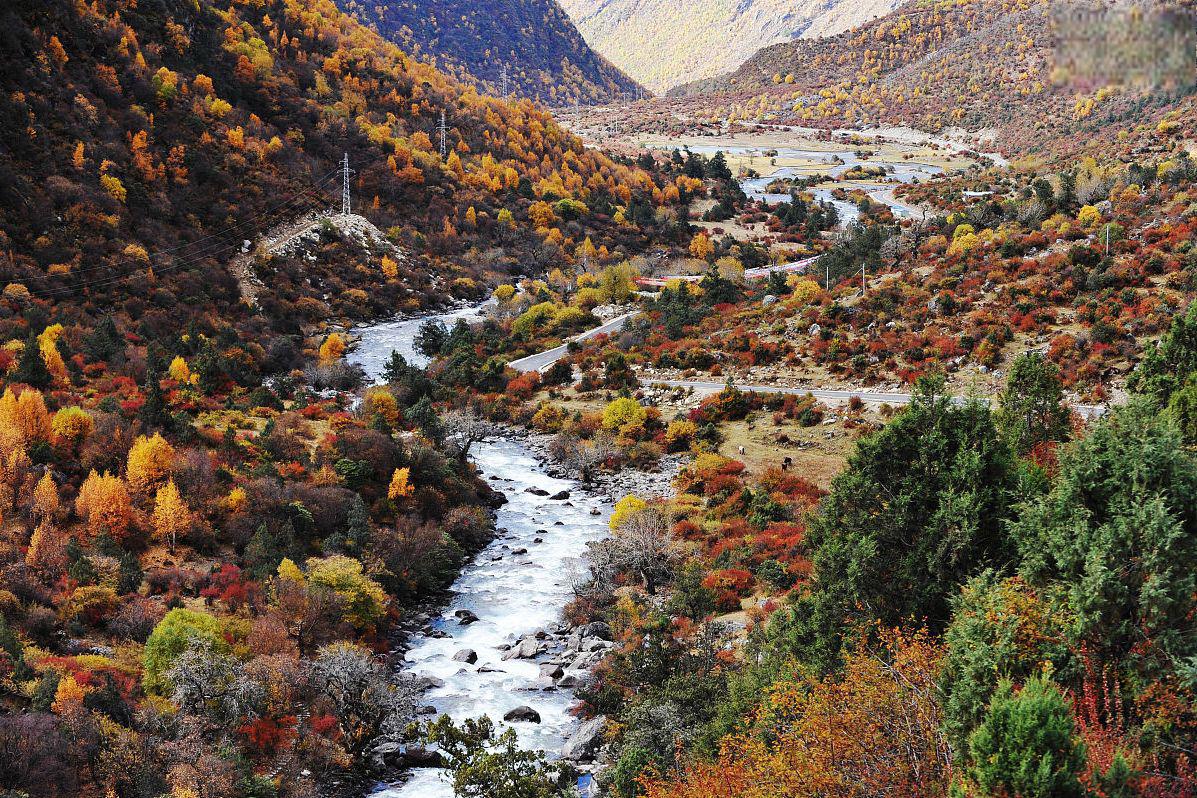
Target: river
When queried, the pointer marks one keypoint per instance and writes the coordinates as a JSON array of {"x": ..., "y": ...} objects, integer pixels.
[
  {"x": 511, "y": 594},
  {"x": 832, "y": 163}
]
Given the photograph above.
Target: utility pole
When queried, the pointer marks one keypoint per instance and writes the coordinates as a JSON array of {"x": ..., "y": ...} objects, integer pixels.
[
  {"x": 827, "y": 279},
  {"x": 442, "y": 129},
  {"x": 1107, "y": 239},
  {"x": 345, "y": 185}
]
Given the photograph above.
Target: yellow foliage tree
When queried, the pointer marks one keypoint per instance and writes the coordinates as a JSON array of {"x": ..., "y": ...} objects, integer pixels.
[
  {"x": 1089, "y": 217},
  {"x": 701, "y": 246},
  {"x": 172, "y": 516},
  {"x": 68, "y": 698},
  {"x": 625, "y": 508},
  {"x": 400, "y": 487},
  {"x": 381, "y": 402},
  {"x": 390, "y": 268},
  {"x": 622, "y": 413},
  {"x": 25, "y": 416},
  {"x": 47, "y": 547},
  {"x": 71, "y": 426},
  {"x": 332, "y": 349},
  {"x": 364, "y": 599},
  {"x": 288, "y": 570},
  {"x": 179, "y": 371},
  {"x": 237, "y": 500},
  {"x": 149, "y": 464},
  {"x": 45, "y": 498}
]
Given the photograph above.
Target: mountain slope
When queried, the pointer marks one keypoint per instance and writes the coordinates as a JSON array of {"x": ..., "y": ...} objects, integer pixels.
[
  {"x": 973, "y": 64},
  {"x": 545, "y": 56},
  {"x": 663, "y": 43},
  {"x": 158, "y": 137}
]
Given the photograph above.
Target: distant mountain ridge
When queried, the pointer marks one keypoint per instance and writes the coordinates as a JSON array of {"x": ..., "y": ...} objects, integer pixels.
[
  {"x": 545, "y": 56},
  {"x": 978, "y": 65},
  {"x": 663, "y": 43}
]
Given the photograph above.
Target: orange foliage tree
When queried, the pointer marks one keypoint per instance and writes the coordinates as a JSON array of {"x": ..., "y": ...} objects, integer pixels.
[
  {"x": 103, "y": 503},
  {"x": 873, "y": 730}
]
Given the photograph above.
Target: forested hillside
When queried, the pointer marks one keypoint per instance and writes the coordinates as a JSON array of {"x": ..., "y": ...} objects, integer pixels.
[
  {"x": 545, "y": 56},
  {"x": 975, "y": 64},
  {"x": 156, "y": 138},
  {"x": 205, "y": 540}
]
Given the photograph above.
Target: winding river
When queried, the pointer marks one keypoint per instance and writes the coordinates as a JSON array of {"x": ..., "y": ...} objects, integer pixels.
[
  {"x": 834, "y": 163},
  {"x": 512, "y": 594}
]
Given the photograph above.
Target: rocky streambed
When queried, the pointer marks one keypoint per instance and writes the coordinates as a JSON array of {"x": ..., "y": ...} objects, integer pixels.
[{"x": 499, "y": 646}]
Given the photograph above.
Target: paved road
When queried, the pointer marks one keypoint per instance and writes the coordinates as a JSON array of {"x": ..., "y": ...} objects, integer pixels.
[
  {"x": 826, "y": 394},
  {"x": 542, "y": 360},
  {"x": 835, "y": 395}
]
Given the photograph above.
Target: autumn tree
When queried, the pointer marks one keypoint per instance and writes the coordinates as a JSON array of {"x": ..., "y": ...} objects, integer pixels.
[
  {"x": 45, "y": 498},
  {"x": 149, "y": 463},
  {"x": 701, "y": 246},
  {"x": 364, "y": 599},
  {"x": 640, "y": 546},
  {"x": 370, "y": 706},
  {"x": 333, "y": 348},
  {"x": 71, "y": 426},
  {"x": 24, "y": 417},
  {"x": 871, "y": 730},
  {"x": 103, "y": 502},
  {"x": 172, "y": 516},
  {"x": 400, "y": 487},
  {"x": 170, "y": 639}
]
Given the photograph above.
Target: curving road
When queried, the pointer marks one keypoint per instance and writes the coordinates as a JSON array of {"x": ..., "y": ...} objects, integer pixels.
[
  {"x": 837, "y": 395},
  {"x": 542, "y": 360}
]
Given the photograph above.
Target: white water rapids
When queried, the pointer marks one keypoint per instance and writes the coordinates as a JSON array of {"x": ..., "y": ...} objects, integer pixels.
[{"x": 511, "y": 594}]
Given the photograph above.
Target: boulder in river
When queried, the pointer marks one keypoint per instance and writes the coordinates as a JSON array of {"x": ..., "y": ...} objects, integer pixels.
[
  {"x": 584, "y": 743},
  {"x": 536, "y": 491},
  {"x": 465, "y": 617},
  {"x": 526, "y": 649},
  {"x": 560, "y": 495},
  {"x": 427, "y": 683},
  {"x": 598, "y": 629},
  {"x": 398, "y": 755},
  {"x": 522, "y": 713},
  {"x": 466, "y": 655},
  {"x": 552, "y": 670}
]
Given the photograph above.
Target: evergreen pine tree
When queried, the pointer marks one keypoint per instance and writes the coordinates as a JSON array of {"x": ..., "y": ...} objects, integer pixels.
[{"x": 31, "y": 368}]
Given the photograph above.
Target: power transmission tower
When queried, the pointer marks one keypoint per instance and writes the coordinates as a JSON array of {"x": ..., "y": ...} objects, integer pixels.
[
  {"x": 443, "y": 130},
  {"x": 345, "y": 185},
  {"x": 506, "y": 93}
]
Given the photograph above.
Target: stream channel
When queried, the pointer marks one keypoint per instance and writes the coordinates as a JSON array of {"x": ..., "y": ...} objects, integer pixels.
[{"x": 511, "y": 594}]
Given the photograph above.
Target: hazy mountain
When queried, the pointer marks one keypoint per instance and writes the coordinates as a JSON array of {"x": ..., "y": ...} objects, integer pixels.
[
  {"x": 663, "y": 43},
  {"x": 545, "y": 56}
]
